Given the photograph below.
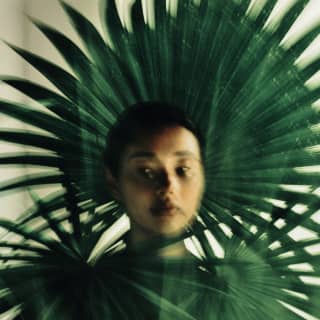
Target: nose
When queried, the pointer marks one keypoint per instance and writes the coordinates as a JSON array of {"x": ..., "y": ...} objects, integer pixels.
[{"x": 166, "y": 183}]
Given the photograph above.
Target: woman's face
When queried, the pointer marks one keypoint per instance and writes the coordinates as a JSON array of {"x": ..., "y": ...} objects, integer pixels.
[{"x": 161, "y": 182}]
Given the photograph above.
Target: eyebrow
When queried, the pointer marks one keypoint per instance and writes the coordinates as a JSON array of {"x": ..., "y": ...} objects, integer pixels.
[
  {"x": 149, "y": 154},
  {"x": 141, "y": 154}
]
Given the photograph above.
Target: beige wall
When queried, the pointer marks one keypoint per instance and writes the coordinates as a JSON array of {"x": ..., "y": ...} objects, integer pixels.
[
  {"x": 17, "y": 29},
  {"x": 12, "y": 29}
]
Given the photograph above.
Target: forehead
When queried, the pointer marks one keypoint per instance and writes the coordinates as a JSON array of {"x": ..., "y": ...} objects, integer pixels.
[{"x": 173, "y": 141}]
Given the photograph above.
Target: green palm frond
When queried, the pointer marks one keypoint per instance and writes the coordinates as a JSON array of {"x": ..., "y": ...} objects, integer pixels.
[{"x": 243, "y": 90}]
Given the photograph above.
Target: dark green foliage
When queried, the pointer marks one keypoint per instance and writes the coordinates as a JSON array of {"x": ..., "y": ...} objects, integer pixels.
[{"x": 244, "y": 93}]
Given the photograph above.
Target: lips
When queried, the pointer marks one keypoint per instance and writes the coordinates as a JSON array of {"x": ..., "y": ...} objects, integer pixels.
[{"x": 163, "y": 209}]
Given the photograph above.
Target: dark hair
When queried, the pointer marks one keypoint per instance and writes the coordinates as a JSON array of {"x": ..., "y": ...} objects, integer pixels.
[{"x": 143, "y": 117}]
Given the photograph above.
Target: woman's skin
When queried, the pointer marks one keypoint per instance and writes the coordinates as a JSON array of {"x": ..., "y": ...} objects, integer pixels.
[{"x": 160, "y": 183}]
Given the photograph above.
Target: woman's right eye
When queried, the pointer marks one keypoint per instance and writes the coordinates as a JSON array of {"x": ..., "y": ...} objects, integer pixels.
[{"x": 147, "y": 173}]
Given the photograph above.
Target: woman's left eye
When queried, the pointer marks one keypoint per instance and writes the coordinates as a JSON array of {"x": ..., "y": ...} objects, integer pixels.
[{"x": 184, "y": 171}]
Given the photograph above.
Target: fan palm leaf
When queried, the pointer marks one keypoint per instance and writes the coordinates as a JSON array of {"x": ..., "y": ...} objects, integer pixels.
[{"x": 240, "y": 85}]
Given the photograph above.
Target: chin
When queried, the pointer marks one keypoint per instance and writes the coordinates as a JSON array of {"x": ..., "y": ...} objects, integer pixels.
[{"x": 170, "y": 232}]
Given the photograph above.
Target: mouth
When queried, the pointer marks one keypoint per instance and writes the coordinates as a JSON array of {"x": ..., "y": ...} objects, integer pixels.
[{"x": 164, "y": 210}]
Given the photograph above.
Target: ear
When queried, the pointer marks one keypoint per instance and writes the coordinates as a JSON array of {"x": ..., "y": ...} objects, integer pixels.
[{"x": 112, "y": 185}]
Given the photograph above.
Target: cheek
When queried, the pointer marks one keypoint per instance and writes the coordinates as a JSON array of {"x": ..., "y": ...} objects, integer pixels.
[
  {"x": 135, "y": 197},
  {"x": 193, "y": 195}
]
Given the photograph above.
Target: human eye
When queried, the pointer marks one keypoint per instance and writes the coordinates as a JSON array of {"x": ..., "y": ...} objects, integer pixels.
[
  {"x": 184, "y": 171},
  {"x": 147, "y": 173}
]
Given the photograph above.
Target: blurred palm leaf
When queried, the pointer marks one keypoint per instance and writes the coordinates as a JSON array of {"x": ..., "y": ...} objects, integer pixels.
[{"x": 232, "y": 76}]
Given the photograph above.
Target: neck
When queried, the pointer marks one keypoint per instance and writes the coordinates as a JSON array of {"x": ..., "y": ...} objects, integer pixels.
[{"x": 176, "y": 249}]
